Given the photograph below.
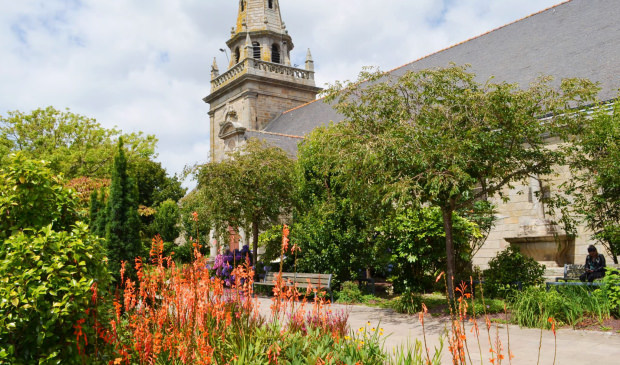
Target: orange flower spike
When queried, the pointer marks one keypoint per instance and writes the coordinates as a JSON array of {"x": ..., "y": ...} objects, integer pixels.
[
  {"x": 552, "y": 321},
  {"x": 439, "y": 276}
]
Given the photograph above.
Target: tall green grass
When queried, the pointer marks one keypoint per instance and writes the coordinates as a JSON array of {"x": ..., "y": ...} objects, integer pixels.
[{"x": 567, "y": 305}]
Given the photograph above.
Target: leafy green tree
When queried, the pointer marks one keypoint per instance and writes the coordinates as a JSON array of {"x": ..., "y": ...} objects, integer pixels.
[
  {"x": 446, "y": 140},
  {"x": 340, "y": 203},
  {"x": 154, "y": 184},
  {"x": 251, "y": 189},
  {"x": 123, "y": 223},
  {"x": 31, "y": 196},
  {"x": 166, "y": 222},
  {"x": 591, "y": 195},
  {"x": 73, "y": 144}
]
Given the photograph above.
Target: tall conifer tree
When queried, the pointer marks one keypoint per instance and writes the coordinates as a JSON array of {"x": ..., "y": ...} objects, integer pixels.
[{"x": 123, "y": 224}]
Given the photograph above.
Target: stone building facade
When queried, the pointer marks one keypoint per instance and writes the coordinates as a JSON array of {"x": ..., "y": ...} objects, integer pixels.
[{"x": 259, "y": 98}]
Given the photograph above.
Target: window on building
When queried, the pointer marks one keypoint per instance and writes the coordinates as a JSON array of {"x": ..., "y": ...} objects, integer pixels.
[
  {"x": 256, "y": 50},
  {"x": 237, "y": 55},
  {"x": 275, "y": 53},
  {"x": 242, "y": 5},
  {"x": 270, "y": 4}
]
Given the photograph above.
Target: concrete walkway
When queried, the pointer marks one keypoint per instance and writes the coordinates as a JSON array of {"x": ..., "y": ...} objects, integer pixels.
[{"x": 573, "y": 346}]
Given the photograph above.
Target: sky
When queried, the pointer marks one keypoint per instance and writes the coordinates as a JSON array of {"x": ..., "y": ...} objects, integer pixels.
[{"x": 144, "y": 65}]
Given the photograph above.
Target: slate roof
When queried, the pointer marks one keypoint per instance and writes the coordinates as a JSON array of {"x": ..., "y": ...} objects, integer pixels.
[
  {"x": 286, "y": 142},
  {"x": 577, "y": 38}
]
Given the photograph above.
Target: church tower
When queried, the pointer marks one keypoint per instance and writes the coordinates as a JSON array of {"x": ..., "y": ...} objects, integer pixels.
[{"x": 260, "y": 82}]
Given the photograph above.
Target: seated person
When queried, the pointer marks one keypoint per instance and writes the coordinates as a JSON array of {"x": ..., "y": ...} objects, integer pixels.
[{"x": 595, "y": 265}]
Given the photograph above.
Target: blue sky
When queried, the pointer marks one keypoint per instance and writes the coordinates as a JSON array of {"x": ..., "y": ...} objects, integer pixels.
[{"x": 143, "y": 65}]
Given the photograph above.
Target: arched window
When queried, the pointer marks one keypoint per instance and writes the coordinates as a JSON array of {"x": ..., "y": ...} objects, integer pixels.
[
  {"x": 256, "y": 50},
  {"x": 242, "y": 5},
  {"x": 275, "y": 53},
  {"x": 237, "y": 55},
  {"x": 270, "y": 4}
]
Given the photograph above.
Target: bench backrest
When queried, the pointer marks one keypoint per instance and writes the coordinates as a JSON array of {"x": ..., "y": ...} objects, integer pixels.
[
  {"x": 319, "y": 281},
  {"x": 573, "y": 271}
]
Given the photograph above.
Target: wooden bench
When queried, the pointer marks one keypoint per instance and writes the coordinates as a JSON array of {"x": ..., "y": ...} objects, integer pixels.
[
  {"x": 571, "y": 272},
  {"x": 574, "y": 271},
  {"x": 300, "y": 280}
]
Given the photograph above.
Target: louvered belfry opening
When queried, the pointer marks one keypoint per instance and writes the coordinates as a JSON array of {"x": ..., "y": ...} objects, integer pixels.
[
  {"x": 256, "y": 50},
  {"x": 275, "y": 53}
]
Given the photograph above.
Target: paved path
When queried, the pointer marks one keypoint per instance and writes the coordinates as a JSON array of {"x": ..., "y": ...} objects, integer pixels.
[{"x": 573, "y": 346}]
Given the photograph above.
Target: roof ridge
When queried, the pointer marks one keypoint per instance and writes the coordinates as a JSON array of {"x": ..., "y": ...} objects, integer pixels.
[
  {"x": 276, "y": 134},
  {"x": 302, "y": 105},
  {"x": 479, "y": 35}
]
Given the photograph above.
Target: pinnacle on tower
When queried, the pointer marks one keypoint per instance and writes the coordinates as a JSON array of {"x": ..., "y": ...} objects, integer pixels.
[
  {"x": 215, "y": 71},
  {"x": 309, "y": 61}
]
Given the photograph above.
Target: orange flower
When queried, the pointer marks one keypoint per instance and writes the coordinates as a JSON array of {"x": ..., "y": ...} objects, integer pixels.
[
  {"x": 439, "y": 276},
  {"x": 552, "y": 321}
]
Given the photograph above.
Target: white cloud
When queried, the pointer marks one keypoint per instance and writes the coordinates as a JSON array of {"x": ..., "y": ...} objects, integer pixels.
[{"x": 144, "y": 65}]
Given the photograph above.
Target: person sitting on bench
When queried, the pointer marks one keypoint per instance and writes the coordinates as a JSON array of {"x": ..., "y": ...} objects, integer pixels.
[{"x": 595, "y": 265}]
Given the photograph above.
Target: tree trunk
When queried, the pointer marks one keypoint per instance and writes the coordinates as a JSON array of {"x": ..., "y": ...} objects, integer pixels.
[
  {"x": 254, "y": 245},
  {"x": 450, "y": 257}
]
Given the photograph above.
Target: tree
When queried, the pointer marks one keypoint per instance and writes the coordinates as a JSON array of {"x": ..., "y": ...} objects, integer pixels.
[
  {"x": 251, "y": 189},
  {"x": 448, "y": 140},
  {"x": 591, "y": 195},
  {"x": 154, "y": 184},
  {"x": 123, "y": 223},
  {"x": 73, "y": 144},
  {"x": 340, "y": 203},
  {"x": 166, "y": 221}
]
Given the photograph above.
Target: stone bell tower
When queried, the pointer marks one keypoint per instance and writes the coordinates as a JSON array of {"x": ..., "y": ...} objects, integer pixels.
[{"x": 260, "y": 82}]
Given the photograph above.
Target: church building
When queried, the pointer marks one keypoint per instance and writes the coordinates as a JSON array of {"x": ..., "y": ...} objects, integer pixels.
[{"x": 260, "y": 95}]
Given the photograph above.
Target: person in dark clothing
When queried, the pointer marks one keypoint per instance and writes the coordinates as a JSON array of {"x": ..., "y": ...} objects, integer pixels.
[{"x": 595, "y": 265}]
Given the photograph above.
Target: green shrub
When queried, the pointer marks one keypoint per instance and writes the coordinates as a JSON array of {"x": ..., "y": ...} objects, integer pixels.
[
  {"x": 611, "y": 289},
  {"x": 414, "y": 241},
  {"x": 32, "y": 197},
  {"x": 350, "y": 293},
  {"x": 408, "y": 303},
  {"x": 509, "y": 267},
  {"x": 568, "y": 305},
  {"x": 45, "y": 289}
]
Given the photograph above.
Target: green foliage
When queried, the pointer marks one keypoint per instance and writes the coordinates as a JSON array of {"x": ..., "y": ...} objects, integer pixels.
[
  {"x": 98, "y": 216},
  {"x": 611, "y": 288},
  {"x": 409, "y": 303},
  {"x": 271, "y": 241},
  {"x": 31, "y": 196},
  {"x": 123, "y": 223},
  {"x": 45, "y": 288},
  {"x": 440, "y": 138},
  {"x": 197, "y": 227},
  {"x": 338, "y": 208},
  {"x": 414, "y": 240},
  {"x": 533, "y": 306},
  {"x": 166, "y": 221},
  {"x": 73, "y": 144},
  {"x": 251, "y": 189},
  {"x": 154, "y": 185},
  {"x": 350, "y": 293},
  {"x": 507, "y": 268},
  {"x": 591, "y": 195}
]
